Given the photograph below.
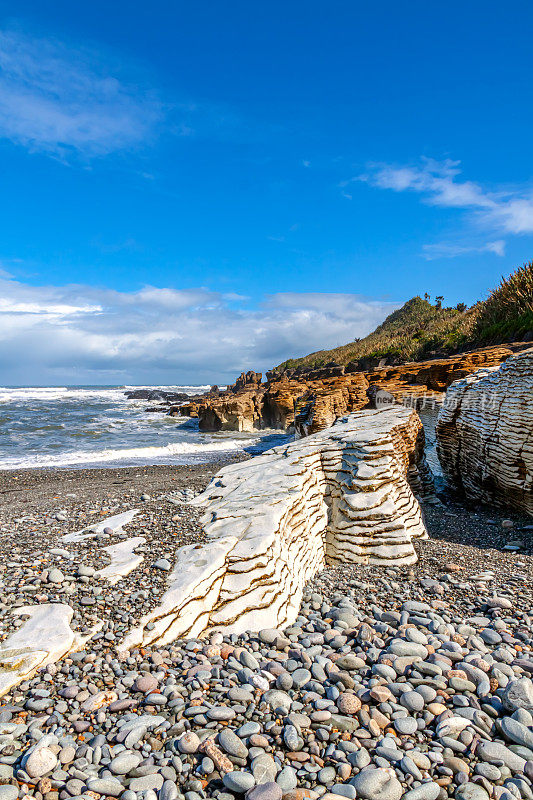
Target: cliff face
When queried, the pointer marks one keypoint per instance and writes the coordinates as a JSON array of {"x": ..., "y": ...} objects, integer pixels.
[
  {"x": 485, "y": 434},
  {"x": 310, "y": 402}
]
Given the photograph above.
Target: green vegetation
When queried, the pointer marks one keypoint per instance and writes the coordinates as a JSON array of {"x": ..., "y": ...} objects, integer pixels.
[
  {"x": 420, "y": 330},
  {"x": 508, "y": 311},
  {"x": 412, "y": 332}
]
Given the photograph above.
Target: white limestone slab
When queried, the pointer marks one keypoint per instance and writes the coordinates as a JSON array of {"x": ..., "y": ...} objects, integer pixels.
[
  {"x": 116, "y": 523},
  {"x": 123, "y": 559},
  {"x": 274, "y": 521},
  {"x": 185, "y": 607},
  {"x": 43, "y": 639}
]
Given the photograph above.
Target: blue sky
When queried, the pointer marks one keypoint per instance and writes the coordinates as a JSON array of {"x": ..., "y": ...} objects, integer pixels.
[{"x": 194, "y": 188}]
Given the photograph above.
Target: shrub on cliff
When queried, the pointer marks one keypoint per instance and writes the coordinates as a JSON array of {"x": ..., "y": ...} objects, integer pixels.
[
  {"x": 508, "y": 311},
  {"x": 416, "y": 330},
  {"x": 420, "y": 330}
]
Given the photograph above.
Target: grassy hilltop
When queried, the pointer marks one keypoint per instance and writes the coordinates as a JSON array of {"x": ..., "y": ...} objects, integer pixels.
[{"x": 420, "y": 329}]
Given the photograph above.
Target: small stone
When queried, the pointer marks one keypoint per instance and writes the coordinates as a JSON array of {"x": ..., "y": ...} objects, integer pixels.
[
  {"x": 67, "y": 754},
  {"x": 264, "y": 768},
  {"x": 75, "y": 787},
  {"x": 406, "y": 726},
  {"x": 291, "y": 738},
  {"x": 377, "y": 784},
  {"x": 55, "y": 576},
  {"x": 287, "y": 779},
  {"x": 125, "y": 762},
  {"x": 380, "y": 694},
  {"x": 300, "y": 677},
  {"x": 146, "y": 782},
  {"x": 239, "y": 782},
  {"x": 277, "y": 699},
  {"x": 351, "y": 662},
  {"x": 188, "y": 743},
  {"x": 98, "y": 700},
  {"x": 39, "y": 762},
  {"x": 145, "y": 683},
  {"x": 413, "y": 701},
  {"x": 495, "y": 753},
  {"x": 518, "y": 694},
  {"x": 163, "y": 564},
  {"x": 106, "y": 786},
  {"x": 327, "y": 776},
  {"x": 348, "y": 703},
  {"x": 270, "y": 635},
  {"x": 232, "y": 744},
  {"x": 221, "y": 713},
  {"x": 471, "y": 791},
  {"x": 517, "y": 733},
  {"x": 9, "y": 792},
  {"x": 265, "y": 791},
  {"x": 426, "y": 791}
]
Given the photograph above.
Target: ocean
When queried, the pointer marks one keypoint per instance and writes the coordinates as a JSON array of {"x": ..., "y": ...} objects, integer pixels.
[{"x": 98, "y": 426}]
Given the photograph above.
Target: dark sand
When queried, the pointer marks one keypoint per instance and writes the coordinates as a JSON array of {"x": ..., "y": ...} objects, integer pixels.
[
  {"x": 40, "y": 491},
  {"x": 30, "y": 501}
]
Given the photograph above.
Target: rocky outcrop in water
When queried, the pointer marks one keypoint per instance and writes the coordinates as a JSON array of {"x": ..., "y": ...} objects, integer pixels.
[
  {"x": 485, "y": 434},
  {"x": 156, "y": 394}
]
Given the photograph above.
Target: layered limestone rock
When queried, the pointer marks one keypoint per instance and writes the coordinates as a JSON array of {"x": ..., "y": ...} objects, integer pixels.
[
  {"x": 279, "y": 403},
  {"x": 324, "y": 403},
  {"x": 123, "y": 559},
  {"x": 238, "y": 412},
  {"x": 339, "y": 496},
  {"x": 247, "y": 379},
  {"x": 485, "y": 434},
  {"x": 311, "y": 401}
]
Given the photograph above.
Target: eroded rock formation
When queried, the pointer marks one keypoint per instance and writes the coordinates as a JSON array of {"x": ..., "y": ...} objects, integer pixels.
[
  {"x": 339, "y": 496},
  {"x": 485, "y": 434},
  {"x": 311, "y": 401}
]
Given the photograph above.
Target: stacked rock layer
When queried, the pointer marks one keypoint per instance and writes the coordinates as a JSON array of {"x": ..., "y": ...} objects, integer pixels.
[
  {"x": 341, "y": 495},
  {"x": 308, "y": 402},
  {"x": 485, "y": 434}
]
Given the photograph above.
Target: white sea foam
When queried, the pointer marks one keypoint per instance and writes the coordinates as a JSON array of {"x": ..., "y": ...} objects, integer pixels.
[
  {"x": 23, "y": 394},
  {"x": 90, "y": 426},
  {"x": 169, "y": 453}
]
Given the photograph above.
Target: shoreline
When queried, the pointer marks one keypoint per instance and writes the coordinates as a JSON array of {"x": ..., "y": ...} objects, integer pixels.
[
  {"x": 365, "y": 673},
  {"x": 34, "y": 486}
]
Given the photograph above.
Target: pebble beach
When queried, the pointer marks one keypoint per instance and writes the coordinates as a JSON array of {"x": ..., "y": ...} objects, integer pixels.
[{"x": 410, "y": 682}]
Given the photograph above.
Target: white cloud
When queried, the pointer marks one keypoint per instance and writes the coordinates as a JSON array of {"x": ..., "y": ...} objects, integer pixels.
[
  {"x": 510, "y": 211},
  {"x": 448, "y": 250},
  {"x": 59, "y": 100},
  {"x": 82, "y": 334}
]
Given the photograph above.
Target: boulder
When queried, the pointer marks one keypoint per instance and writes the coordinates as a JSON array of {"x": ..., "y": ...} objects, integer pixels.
[{"x": 485, "y": 434}]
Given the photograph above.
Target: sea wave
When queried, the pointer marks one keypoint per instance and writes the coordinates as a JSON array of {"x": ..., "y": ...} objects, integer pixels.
[
  {"x": 177, "y": 452},
  {"x": 21, "y": 394}
]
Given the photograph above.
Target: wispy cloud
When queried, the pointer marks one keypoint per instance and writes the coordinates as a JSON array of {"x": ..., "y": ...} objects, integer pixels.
[
  {"x": 440, "y": 184},
  {"x": 85, "y": 334},
  {"x": 62, "y": 100},
  {"x": 447, "y": 250}
]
